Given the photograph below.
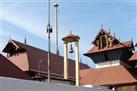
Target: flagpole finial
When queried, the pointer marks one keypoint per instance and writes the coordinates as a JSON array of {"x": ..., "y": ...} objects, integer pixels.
[{"x": 102, "y": 26}]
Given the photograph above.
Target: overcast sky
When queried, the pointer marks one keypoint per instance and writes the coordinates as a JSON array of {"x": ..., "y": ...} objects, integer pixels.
[{"x": 28, "y": 18}]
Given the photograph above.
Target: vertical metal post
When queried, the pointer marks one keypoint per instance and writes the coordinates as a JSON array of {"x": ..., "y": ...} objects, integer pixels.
[
  {"x": 56, "y": 26},
  {"x": 49, "y": 30}
]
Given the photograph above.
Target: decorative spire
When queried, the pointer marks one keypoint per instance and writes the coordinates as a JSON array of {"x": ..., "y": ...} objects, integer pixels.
[
  {"x": 70, "y": 33},
  {"x": 25, "y": 41},
  {"x": 9, "y": 36},
  {"x": 101, "y": 30},
  {"x": 109, "y": 31},
  {"x": 101, "y": 26},
  {"x": 114, "y": 35}
]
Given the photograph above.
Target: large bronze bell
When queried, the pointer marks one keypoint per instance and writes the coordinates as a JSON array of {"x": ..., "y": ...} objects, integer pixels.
[{"x": 71, "y": 49}]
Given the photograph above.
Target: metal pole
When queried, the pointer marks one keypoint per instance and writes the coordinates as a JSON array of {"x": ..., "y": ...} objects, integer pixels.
[
  {"x": 49, "y": 30},
  {"x": 56, "y": 26}
]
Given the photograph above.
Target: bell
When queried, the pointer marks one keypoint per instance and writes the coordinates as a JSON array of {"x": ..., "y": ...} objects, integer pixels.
[{"x": 71, "y": 49}]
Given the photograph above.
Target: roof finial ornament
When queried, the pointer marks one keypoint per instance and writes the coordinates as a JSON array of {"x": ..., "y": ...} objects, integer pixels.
[
  {"x": 101, "y": 30},
  {"x": 114, "y": 35},
  {"x": 70, "y": 32},
  {"x": 25, "y": 41},
  {"x": 109, "y": 31},
  {"x": 9, "y": 37},
  {"x": 102, "y": 26}
]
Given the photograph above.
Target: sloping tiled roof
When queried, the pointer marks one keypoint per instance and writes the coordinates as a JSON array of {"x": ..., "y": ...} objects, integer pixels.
[
  {"x": 125, "y": 44},
  {"x": 8, "y": 69},
  {"x": 115, "y": 75},
  {"x": 36, "y": 55},
  {"x": 133, "y": 57}
]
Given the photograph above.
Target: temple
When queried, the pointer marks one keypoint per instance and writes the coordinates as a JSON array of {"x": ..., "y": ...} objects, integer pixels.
[
  {"x": 8, "y": 69},
  {"x": 115, "y": 62},
  {"x": 33, "y": 62},
  {"x": 109, "y": 51}
]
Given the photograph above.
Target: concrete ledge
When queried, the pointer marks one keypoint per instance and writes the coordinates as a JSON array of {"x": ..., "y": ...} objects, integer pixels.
[{"x": 11, "y": 84}]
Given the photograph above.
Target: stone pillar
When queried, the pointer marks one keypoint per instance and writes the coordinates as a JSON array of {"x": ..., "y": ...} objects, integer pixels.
[
  {"x": 65, "y": 60},
  {"x": 77, "y": 63}
]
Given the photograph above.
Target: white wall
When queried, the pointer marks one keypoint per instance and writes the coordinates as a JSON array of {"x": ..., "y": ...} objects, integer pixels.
[{"x": 108, "y": 64}]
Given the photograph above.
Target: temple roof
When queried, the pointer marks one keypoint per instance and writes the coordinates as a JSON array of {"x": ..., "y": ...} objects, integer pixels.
[
  {"x": 8, "y": 69},
  {"x": 126, "y": 44},
  {"x": 71, "y": 38},
  {"x": 103, "y": 31},
  {"x": 104, "y": 41},
  {"x": 36, "y": 55},
  {"x": 108, "y": 76},
  {"x": 133, "y": 57}
]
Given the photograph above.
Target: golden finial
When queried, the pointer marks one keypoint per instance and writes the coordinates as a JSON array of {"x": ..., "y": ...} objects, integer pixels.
[
  {"x": 70, "y": 32},
  {"x": 109, "y": 31}
]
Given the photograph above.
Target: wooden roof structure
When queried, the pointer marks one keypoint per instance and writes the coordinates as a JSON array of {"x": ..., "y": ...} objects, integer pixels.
[
  {"x": 105, "y": 46},
  {"x": 8, "y": 69},
  {"x": 133, "y": 57},
  {"x": 108, "y": 76},
  {"x": 115, "y": 43},
  {"x": 126, "y": 44},
  {"x": 35, "y": 55},
  {"x": 103, "y": 31}
]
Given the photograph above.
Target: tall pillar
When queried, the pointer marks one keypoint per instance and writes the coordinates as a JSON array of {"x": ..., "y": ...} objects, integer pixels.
[
  {"x": 77, "y": 63},
  {"x": 65, "y": 60}
]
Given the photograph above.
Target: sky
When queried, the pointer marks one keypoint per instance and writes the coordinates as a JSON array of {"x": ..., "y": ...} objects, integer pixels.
[{"x": 20, "y": 19}]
